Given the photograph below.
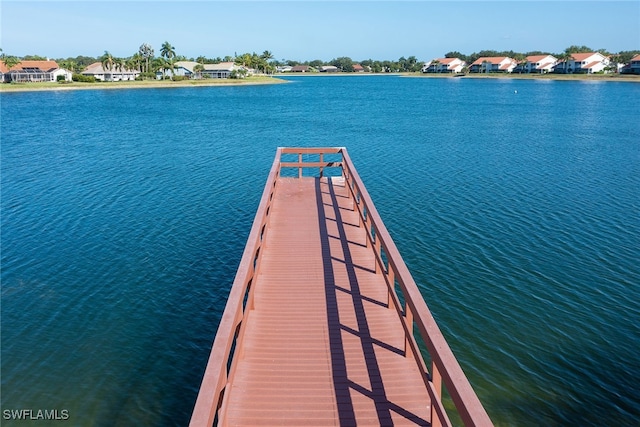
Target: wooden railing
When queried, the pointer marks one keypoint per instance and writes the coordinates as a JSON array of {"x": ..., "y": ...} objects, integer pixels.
[
  {"x": 228, "y": 341},
  {"x": 444, "y": 366}
]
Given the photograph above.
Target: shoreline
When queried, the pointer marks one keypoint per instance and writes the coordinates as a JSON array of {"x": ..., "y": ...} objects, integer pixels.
[
  {"x": 631, "y": 78},
  {"x": 264, "y": 80},
  {"x": 145, "y": 84}
]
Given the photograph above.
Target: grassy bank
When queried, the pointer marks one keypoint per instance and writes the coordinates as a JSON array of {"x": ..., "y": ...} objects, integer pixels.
[
  {"x": 22, "y": 87},
  {"x": 569, "y": 77},
  {"x": 258, "y": 80}
]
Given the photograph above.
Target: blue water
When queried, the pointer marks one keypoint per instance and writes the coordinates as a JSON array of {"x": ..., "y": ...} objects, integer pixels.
[{"x": 515, "y": 203}]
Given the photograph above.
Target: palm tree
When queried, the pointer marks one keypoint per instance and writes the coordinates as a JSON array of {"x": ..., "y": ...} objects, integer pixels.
[
  {"x": 521, "y": 61},
  {"x": 199, "y": 68},
  {"x": 485, "y": 66},
  {"x": 108, "y": 62},
  {"x": 159, "y": 64},
  {"x": 118, "y": 64},
  {"x": 10, "y": 61},
  {"x": 565, "y": 57},
  {"x": 170, "y": 65},
  {"x": 68, "y": 65},
  {"x": 614, "y": 60},
  {"x": 135, "y": 62},
  {"x": 266, "y": 57},
  {"x": 244, "y": 60},
  {"x": 167, "y": 51},
  {"x": 146, "y": 52}
]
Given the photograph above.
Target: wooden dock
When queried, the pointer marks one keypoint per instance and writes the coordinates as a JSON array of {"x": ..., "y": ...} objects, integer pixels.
[{"x": 319, "y": 324}]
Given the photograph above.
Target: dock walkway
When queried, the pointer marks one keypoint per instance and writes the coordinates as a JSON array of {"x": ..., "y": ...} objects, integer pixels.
[{"x": 316, "y": 331}]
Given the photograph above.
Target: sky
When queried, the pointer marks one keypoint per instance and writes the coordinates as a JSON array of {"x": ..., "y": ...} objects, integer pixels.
[{"x": 307, "y": 30}]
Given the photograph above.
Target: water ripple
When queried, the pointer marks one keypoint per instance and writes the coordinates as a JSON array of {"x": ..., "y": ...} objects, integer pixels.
[{"x": 124, "y": 218}]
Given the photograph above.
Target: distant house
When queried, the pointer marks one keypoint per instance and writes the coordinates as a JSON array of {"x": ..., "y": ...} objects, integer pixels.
[
  {"x": 633, "y": 67},
  {"x": 222, "y": 70},
  {"x": 588, "y": 63},
  {"x": 283, "y": 69},
  {"x": 186, "y": 69},
  {"x": 33, "y": 71},
  {"x": 357, "y": 68},
  {"x": 444, "y": 65},
  {"x": 329, "y": 69},
  {"x": 115, "y": 74},
  {"x": 68, "y": 75},
  {"x": 493, "y": 64},
  {"x": 300, "y": 69},
  {"x": 538, "y": 64},
  {"x": 180, "y": 68}
]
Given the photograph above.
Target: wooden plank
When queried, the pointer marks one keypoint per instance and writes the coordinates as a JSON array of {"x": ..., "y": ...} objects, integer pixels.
[{"x": 320, "y": 325}]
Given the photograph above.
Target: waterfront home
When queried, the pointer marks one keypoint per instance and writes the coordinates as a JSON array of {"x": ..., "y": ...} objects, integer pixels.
[
  {"x": 444, "y": 65},
  {"x": 113, "y": 75},
  {"x": 300, "y": 69},
  {"x": 33, "y": 71},
  {"x": 186, "y": 69},
  {"x": 180, "y": 68},
  {"x": 328, "y": 69},
  {"x": 493, "y": 64},
  {"x": 283, "y": 69},
  {"x": 632, "y": 67},
  {"x": 541, "y": 64},
  {"x": 222, "y": 70},
  {"x": 357, "y": 68},
  {"x": 586, "y": 63}
]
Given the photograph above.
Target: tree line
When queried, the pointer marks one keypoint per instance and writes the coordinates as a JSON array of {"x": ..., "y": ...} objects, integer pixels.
[{"x": 148, "y": 64}]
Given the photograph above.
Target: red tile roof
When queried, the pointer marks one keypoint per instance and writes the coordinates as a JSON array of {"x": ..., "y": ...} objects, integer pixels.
[
  {"x": 536, "y": 58},
  {"x": 300, "y": 68},
  {"x": 591, "y": 64},
  {"x": 582, "y": 56},
  {"x": 491, "y": 59},
  {"x": 544, "y": 65},
  {"x": 43, "y": 65},
  {"x": 636, "y": 58}
]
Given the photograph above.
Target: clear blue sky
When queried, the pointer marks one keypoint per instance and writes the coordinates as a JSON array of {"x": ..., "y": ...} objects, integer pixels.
[{"x": 308, "y": 30}]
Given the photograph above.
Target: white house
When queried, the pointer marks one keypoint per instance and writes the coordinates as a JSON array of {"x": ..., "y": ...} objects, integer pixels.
[
  {"x": 493, "y": 64},
  {"x": 540, "y": 64},
  {"x": 222, "y": 70},
  {"x": 62, "y": 72},
  {"x": 186, "y": 69},
  {"x": 33, "y": 71},
  {"x": 444, "y": 65},
  {"x": 328, "y": 69},
  {"x": 180, "y": 68},
  {"x": 589, "y": 63},
  {"x": 115, "y": 74},
  {"x": 632, "y": 67}
]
